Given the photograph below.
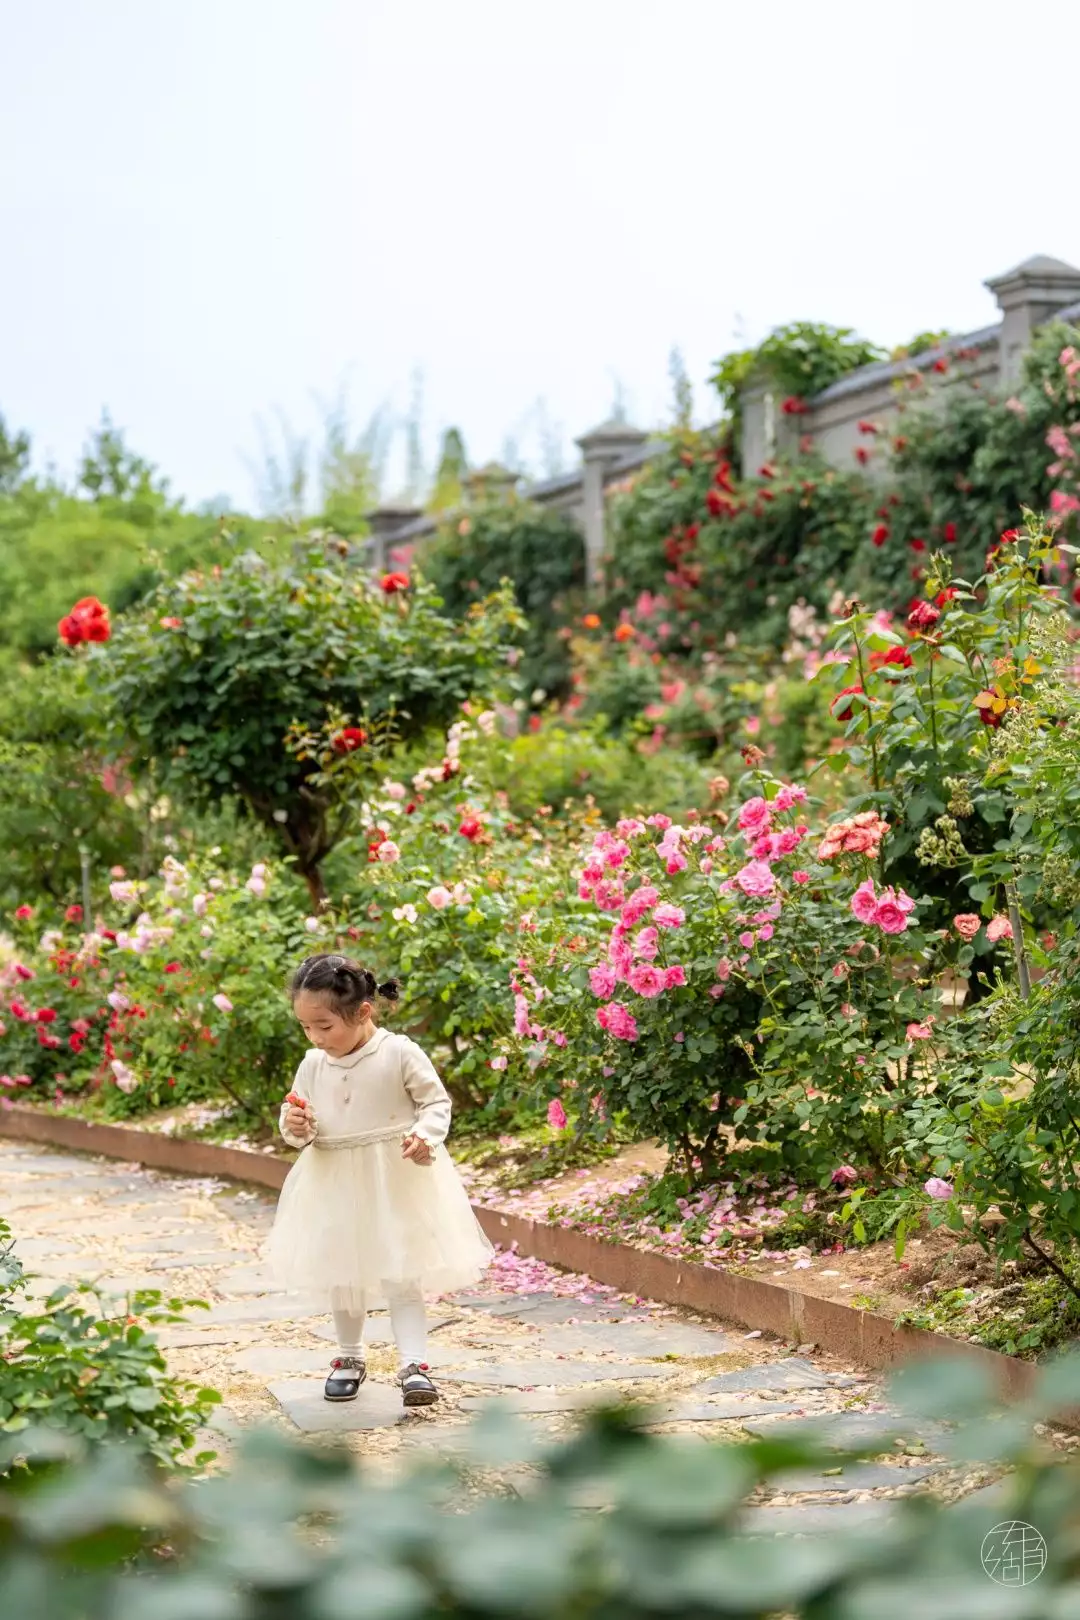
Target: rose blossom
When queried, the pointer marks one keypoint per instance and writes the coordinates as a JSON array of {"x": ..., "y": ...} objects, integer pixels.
[
  {"x": 998, "y": 927},
  {"x": 967, "y": 925},
  {"x": 889, "y": 917},
  {"x": 646, "y": 944},
  {"x": 222, "y": 1002},
  {"x": 646, "y": 980},
  {"x": 388, "y": 852},
  {"x": 617, "y": 1021},
  {"x": 641, "y": 901},
  {"x": 937, "y": 1188},
  {"x": 756, "y": 879},
  {"x": 789, "y": 796},
  {"x": 602, "y": 981},
  {"x": 755, "y": 817},
  {"x": 666, "y": 916},
  {"x": 439, "y": 897},
  {"x": 498, "y": 1062},
  {"x": 556, "y": 1115},
  {"x": 674, "y": 977},
  {"x": 844, "y": 1175},
  {"x": 800, "y": 877},
  {"x": 864, "y": 902},
  {"x": 919, "y": 1032}
]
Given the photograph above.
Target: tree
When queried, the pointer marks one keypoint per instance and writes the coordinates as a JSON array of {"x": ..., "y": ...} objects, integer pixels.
[
  {"x": 449, "y": 487},
  {"x": 205, "y": 685},
  {"x": 14, "y": 458}
]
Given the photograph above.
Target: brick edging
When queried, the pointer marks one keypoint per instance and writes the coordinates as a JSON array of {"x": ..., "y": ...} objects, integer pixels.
[{"x": 858, "y": 1336}]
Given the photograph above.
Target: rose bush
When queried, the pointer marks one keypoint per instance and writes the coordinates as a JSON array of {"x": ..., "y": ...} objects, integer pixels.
[{"x": 179, "y": 997}]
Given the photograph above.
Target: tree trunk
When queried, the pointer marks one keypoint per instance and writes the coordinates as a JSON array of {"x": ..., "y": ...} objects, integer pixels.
[{"x": 316, "y": 888}]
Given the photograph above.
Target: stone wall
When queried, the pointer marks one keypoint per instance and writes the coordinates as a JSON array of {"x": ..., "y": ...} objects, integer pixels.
[{"x": 1038, "y": 290}]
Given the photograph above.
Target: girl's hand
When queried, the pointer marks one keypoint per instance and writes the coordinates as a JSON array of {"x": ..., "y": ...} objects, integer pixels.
[
  {"x": 415, "y": 1148},
  {"x": 300, "y": 1122}
]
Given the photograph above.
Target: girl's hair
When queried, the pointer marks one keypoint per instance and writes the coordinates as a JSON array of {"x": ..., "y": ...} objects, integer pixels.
[{"x": 345, "y": 984}]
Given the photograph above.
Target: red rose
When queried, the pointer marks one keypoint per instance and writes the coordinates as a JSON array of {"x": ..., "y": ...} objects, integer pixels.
[
  {"x": 392, "y": 583},
  {"x": 880, "y": 534},
  {"x": 862, "y": 454},
  {"x": 917, "y": 544},
  {"x": 1010, "y": 536},
  {"x": 923, "y": 616},
  {"x": 949, "y": 532},
  {"x": 716, "y": 503},
  {"x": 841, "y": 711},
  {"x": 471, "y": 828},
  {"x": 171, "y": 623},
  {"x": 868, "y": 427},
  {"x": 722, "y": 478},
  {"x": 348, "y": 739},
  {"x": 76, "y": 1042},
  {"x": 73, "y": 914},
  {"x": 793, "y": 406},
  {"x": 87, "y": 621},
  {"x": 24, "y": 913},
  {"x": 172, "y": 967},
  {"x": 945, "y": 596},
  {"x": 941, "y": 365},
  {"x": 46, "y": 1015},
  {"x": 897, "y": 657}
]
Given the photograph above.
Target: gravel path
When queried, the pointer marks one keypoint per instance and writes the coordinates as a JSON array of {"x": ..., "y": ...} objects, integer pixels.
[{"x": 532, "y": 1338}]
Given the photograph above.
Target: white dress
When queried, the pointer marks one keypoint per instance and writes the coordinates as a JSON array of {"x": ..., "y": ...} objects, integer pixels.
[{"x": 354, "y": 1217}]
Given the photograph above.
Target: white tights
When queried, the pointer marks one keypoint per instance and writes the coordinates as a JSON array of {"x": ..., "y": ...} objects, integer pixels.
[{"x": 408, "y": 1320}]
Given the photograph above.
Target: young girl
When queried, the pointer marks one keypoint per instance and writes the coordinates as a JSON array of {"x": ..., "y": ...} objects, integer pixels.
[{"x": 374, "y": 1207}]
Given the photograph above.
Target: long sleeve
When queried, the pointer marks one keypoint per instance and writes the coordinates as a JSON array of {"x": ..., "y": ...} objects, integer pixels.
[
  {"x": 430, "y": 1097},
  {"x": 300, "y": 1088}
]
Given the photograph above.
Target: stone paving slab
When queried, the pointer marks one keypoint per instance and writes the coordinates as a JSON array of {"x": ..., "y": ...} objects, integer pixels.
[
  {"x": 815, "y": 1518},
  {"x": 254, "y": 1279},
  {"x": 267, "y": 1308},
  {"x": 689, "y": 1411},
  {"x": 546, "y": 1307},
  {"x": 861, "y": 1428},
  {"x": 29, "y": 1163},
  {"x": 181, "y": 1243},
  {"x": 792, "y": 1373},
  {"x": 857, "y": 1476},
  {"x": 528, "y": 1402},
  {"x": 378, "y": 1406},
  {"x": 46, "y": 1248},
  {"x": 557, "y": 1374},
  {"x": 380, "y": 1321},
  {"x": 638, "y": 1338},
  {"x": 187, "y": 1262}
]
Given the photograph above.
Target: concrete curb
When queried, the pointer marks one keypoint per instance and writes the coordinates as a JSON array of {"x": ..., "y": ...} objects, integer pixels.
[{"x": 857, "y": 1336}]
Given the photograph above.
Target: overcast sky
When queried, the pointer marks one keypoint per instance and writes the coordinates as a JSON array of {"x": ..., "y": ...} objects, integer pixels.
[{"x": 212, "y": 209}]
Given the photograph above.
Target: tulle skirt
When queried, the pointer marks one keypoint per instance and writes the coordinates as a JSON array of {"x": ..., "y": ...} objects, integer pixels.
[{"x": 364, "y": 1224}]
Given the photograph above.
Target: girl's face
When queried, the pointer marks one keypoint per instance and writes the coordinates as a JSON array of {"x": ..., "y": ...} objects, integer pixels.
[{"x": 328, "y": 1030}]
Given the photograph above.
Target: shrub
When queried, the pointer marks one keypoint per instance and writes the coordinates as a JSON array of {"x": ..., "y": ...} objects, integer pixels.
[
  {"x": 82, "y": 1365},
  {"x": 541, "y": 553},
  {"x": 207, "y": 683}
]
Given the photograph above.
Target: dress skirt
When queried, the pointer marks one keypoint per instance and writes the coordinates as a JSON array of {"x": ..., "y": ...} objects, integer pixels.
[{"x": 364, "y": 1224}]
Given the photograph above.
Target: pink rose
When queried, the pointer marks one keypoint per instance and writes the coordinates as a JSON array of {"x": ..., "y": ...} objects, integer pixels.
[
  {"x": 755, "y": 817},
  {"x": 919, "y": 1032},
  {"x": 864, "y": 902},
  {"x": 967, "y": 925},
  {"x": 889, "y": 917},
  {"x": 997, "y": 928},
  {"x": 666, "y": 916},
  {"x": 439, "y": 897},
  {"x": 746, "y": 940},
  {"x": 756, "y": 879},
  {"x": 617, "y": 1021},
  {"x": 723, "y": 969},
  {"x": 844, "y": 1175},
  {"x": 556, "y": 1115},
  {"x": 675, "y": 977},
  {"x": 498, "y": 1062},
  {"x": 646, "y": 944},
  {"x": 800, "y": 877},
  {"x": 937, "y": 1188},
  {"x": 789, "y": 797},
  {"x": 646, "y": 980},
  {"x": 639, "y": 903},
  {"x": 388, "y": 852},
  {"x": 602, "y": 981},
  {"x": 765, "y": 932}
]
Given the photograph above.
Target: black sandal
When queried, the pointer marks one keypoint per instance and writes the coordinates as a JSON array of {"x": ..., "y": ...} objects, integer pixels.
[
  {"x": 416, "y": 1387},
  {"x": 347, "y": 1373}
]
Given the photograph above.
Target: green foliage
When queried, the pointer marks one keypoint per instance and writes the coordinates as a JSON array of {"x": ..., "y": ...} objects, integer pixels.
[
  {"x": 798, "y": 360},
  {"x": 83, "y": 1366},
  {"x": 542, "y": 554},
  {"x": 204, "y": 685},
  {"x": 87, "y": 1537}
]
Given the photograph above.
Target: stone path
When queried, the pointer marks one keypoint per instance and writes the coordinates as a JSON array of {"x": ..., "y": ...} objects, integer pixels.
[{"x": 545, "y": 1353}]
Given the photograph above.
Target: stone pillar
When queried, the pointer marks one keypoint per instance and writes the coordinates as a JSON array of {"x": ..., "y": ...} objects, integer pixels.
[
  {"x": 1028, "y": 296},
  {"x": 384, "y": 523},
  {"x": 601, "y": 450}
]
